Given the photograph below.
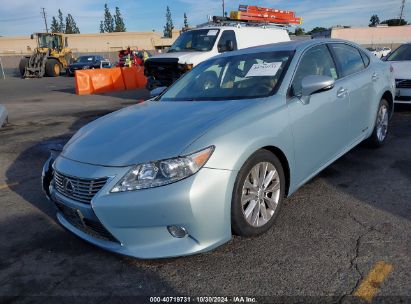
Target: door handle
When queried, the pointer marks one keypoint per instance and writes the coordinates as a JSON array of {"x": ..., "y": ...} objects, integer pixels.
[
  {"x": 341, "y": 93},
  {"x": 374, "y": 77}
]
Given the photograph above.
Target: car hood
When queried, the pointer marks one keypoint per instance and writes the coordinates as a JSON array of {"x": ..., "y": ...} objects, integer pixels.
[
  {"x": 148, "y": 131},
  {"x": 402, "y": 69},
  {"x": 185, "y": 57}
]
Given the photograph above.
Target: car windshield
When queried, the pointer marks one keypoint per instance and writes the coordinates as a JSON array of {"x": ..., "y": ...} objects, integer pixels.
[
  {"x": 195, "y": 40},
  {"x": 232, "y": 77},
  {"x": 85, "y": 59},
  {"x": 401, "y": 54}
]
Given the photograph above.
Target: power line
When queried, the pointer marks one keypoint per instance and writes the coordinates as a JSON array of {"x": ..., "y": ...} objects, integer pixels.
[
  {"x": 19, "y": 18},
  {"x": 43, "y": 12}
]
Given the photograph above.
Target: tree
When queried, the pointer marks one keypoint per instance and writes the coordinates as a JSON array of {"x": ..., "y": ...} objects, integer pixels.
[
  {"x": 119, "y": 22},
  {"x": 101, "y": 27},
  {"x": 61, "y": 22},
  {"x": 299, "y": 31},
  {"x": 54, "y": 25},
  {"x": 108, "y": 20},
  {"x": 394, "y": 22},
  {"x": 185, "y": 21},
  {"x": 318, "y": 29},
  {"x": 374, "y": 21},
  {"x": 71, "y": 26},
  {"x": 168, "y": 28}
]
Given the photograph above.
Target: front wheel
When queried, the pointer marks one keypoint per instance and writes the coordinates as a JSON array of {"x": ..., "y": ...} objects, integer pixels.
[
  {"x": 258, "y": 194},
  {"x": 380, "y": 131},
  {"x": 53, "y": 68}
]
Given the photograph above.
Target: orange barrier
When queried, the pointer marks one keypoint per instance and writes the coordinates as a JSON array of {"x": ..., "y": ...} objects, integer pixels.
[
  {"x": 107, "y": 80},
  {"x": 134, "y": 77}
]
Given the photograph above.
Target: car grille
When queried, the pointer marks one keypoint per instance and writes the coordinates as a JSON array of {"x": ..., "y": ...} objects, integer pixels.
[
  {"x": 78, "y": 189},
  {"x": 164, "y": 70},
  {"x": 92, "y": 228},
  {"x": 403, "y": 83}
]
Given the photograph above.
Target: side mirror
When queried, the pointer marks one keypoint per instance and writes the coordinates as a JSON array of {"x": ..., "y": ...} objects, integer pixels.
[
  {"x": 312, "y": 84},
  {"x": 66, "y": 41},
  {"x": 157, "y": 91},
  {"x": 229, "y": 45}
]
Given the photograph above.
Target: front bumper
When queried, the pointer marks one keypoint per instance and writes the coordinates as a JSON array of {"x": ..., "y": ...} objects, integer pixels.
[
  {"x": 135, "y": 223},
  {"x": 403, "y": 95}
]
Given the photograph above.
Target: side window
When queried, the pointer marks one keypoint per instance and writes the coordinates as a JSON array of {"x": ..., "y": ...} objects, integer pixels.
[
  {"x": 225, "y": 37},
  {"x": 349, "y": 59},
  {"x": 365, "y": 59},
  {"x": 315, "y": 61}
]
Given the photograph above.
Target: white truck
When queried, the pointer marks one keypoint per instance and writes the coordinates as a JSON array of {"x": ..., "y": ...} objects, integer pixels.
[{"x": 195, "y": 46}]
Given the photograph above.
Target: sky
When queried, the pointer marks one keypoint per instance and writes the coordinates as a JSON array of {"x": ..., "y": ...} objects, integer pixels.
[{"x": 22, "y": 17}]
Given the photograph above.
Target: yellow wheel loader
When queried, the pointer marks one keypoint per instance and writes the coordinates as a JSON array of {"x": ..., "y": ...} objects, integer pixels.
[{"x": 50, "y": 57}]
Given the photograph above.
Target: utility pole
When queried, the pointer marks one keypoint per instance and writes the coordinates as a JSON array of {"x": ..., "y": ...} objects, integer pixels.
[
  {"x": 43, "y": 12},
  {"x": 223, "y": 9},
  {"x": 402, "y": 10}
]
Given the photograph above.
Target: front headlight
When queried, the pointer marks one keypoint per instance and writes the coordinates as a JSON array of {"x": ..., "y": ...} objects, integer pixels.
[{"x": 163, "y": 172}]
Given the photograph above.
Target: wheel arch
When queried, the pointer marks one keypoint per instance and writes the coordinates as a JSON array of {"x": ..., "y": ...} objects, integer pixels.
[
  {"x": 387, "y": 95},
  {"x": 284, "y": 162}
]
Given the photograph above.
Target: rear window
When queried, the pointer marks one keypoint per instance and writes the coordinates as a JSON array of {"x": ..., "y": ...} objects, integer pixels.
[
  {"x": 349, "y": 59},
  {"x": 365, "y": 59}
]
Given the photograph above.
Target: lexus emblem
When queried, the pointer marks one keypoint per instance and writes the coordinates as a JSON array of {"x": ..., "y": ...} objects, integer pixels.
[{"x": 68, "y": 186}]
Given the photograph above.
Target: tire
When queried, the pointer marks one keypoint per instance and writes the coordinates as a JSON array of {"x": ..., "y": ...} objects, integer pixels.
[
  {"x": 249, "y": 192},
  {"x": 380, "y": 131},
  {"x": 22, "y": 65},
  {"x": 53, "y": 68}
]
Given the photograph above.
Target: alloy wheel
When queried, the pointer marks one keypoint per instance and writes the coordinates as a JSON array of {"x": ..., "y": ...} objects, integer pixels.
[
  {"x": 382, "y": 123},
  {"x": 260, "y": 194}
]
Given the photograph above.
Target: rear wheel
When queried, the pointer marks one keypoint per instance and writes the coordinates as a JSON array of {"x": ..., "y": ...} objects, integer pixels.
[
  {"x": 258, "y": 194},
  {"x": 380, "y": 131},
  {"x": 22, "y": 65},
  {"x": 53, "y": 68}
]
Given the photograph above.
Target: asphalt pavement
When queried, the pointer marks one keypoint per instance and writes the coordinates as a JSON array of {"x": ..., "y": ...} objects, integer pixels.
[{"x": 348, "y": 227}]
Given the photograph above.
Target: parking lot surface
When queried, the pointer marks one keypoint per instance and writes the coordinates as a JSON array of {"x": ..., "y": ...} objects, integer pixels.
[{"x": 329, "y": 236}]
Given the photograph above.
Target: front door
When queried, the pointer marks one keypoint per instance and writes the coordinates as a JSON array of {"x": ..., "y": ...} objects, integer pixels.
[{"x": 320, "y": 128}]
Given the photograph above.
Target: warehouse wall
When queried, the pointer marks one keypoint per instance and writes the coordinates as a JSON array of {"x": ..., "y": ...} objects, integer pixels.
[
  {"x": 392, "y": 36},
  {"x": 105, "y": 42}
]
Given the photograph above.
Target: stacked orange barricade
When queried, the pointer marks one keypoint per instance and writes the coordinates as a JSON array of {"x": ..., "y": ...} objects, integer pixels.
[{"x": 108, "y": 80}]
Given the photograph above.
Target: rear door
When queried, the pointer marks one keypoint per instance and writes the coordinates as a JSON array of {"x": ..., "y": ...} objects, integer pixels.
[
  {"x": 359, "y": 80},
  {"x": 319, "y": 127}
]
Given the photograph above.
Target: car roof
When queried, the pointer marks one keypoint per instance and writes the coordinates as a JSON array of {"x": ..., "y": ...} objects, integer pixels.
[
  {"x": 292, "y": 45},
  {"x": 233, "y": 27}
]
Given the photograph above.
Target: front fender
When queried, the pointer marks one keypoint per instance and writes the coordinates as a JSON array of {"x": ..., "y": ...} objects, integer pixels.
[
  {"x": 47, "y": 171},
  {"x": 235, "y": 140}
]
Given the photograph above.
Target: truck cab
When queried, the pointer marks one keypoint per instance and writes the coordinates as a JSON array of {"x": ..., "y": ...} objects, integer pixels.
[{"x": 195, "y": 46}]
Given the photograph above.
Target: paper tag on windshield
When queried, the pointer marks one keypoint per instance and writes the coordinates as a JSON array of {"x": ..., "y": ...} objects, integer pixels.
[
  {"x": 212, "y": 32},
  {"x": 264, "y": 69}
]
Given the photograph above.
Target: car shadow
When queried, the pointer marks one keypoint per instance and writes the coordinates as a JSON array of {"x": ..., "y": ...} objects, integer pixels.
[
  {"x": 379, "y": 177},
  {"x": 39, "y": 258}
]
